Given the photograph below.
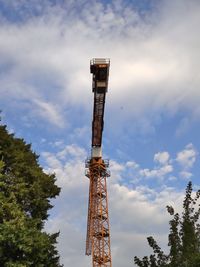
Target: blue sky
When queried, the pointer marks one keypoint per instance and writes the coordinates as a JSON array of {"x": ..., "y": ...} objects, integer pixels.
[{"x": 152, "y": 115}]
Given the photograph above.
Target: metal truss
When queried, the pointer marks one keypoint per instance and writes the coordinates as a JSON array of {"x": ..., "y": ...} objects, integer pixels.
[{"x": 98, "y": 233}]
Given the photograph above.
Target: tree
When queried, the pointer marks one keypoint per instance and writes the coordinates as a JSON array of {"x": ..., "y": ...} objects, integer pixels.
[
  {"x": 25, "y": 194},
  {"x": 184, "y": 237}
]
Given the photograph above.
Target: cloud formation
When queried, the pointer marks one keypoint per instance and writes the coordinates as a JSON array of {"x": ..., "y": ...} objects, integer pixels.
[
  {"x": 136, "y": 210},
  {"x": 154, "y": 63},
  {"x": 187, "y": 157},
  {"x": 162, "y": 157},
  {"x": 45, "y": 49}
]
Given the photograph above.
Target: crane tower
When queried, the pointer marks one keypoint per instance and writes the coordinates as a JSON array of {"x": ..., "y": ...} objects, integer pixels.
[{"x": 98, "y": 232}]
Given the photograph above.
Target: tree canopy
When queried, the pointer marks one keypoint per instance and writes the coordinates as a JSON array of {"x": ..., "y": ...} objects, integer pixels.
[
  {"x": 25, "y": 194},
  {"x": 184, "y": 237}
]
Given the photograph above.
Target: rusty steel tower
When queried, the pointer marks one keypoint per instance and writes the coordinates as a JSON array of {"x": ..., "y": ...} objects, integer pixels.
[{"x": 98, "y": 232}]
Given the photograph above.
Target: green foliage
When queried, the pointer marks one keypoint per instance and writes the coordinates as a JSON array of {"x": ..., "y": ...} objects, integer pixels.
[
  {"x": 25, "y": 193},
  {"x": 184, "y": 237}
]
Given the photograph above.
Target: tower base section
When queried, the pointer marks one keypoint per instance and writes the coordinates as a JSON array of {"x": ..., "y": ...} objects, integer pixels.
[{"x": 98, "y": 232}]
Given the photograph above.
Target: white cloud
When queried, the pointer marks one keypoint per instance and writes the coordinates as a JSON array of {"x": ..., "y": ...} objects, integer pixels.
[
  {"x": 162, "y": 157},
  {"x": 150, "y": 63},
  {"x": 71, "y": 242},
  {"x": 157, "y": 173},
  {"x": 53, "y": 163},
  {"x": 187, "y": 157},
  {"x": 116, "y": 170},
  {"x": 58, "y": 143},
  {"x": 172, "y": 178},
  {"x": 68, "y": 165},
  {"x": 132, "y": 164},
  {"x": 154, "y": 70},
  {"x": 186, "y": 175},
  {"x": 73, "y": 151},
  {"x": 165, "y": 168},
  {"x": 49, "y": 112},
  {"x": 135, "y": 213}
]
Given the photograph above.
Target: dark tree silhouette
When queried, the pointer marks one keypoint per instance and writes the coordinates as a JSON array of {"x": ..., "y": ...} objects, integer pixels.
[{"x": 184, "y": 237}]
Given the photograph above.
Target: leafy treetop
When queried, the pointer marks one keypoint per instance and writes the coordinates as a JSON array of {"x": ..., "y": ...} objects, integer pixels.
[
  {"x": 25, "y": 194},
  {"x": 184, "y": 237}
]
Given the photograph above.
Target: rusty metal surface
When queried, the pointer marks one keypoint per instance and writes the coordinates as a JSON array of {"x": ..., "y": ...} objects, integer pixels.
[
  {"x": 98, "y": 232},
  {"x": 100, "y": 70}
]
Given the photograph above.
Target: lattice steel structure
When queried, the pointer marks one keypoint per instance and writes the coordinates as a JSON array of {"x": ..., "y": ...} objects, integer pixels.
[{"x": 98, "y": 232}]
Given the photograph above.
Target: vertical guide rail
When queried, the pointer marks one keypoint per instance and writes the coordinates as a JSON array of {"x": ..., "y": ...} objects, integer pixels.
[{"x": 88, "y": 249}]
